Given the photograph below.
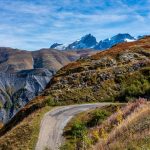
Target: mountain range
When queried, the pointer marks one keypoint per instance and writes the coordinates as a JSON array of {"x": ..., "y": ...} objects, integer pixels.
[
  {"x": 89, "y": 42},
  {"x": 119, "y": 74},
  {"x": 24, "y": 74}
]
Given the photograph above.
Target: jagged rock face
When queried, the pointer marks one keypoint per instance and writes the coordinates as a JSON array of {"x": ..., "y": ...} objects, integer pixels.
[
  {"x": 18, "y": 89},
  {"x": 55, "y": 45},
  {"x": 119, "y": 38},
  {"x": 89, "y": 42}
]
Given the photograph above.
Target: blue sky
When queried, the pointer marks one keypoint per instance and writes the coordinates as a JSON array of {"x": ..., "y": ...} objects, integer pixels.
[{"x": 34, "y": 24}]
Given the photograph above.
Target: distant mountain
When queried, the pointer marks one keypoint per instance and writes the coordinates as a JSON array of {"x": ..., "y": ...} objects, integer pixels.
[
  {"x": 89, "y": 42},
  {"x": 55, "y": 45},
  {"x": 58, "y": 46},
  {"x": 119, "y": 38},
  {"x": 23, "y": 74},
  {"x": 86, "y": 42}
]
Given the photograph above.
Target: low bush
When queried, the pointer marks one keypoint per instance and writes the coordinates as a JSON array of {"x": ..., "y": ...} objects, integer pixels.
[
  {"x": 78, "y": 129},
  {"x": 98, "y": 117},
  {"x": 134, "y": 87}
]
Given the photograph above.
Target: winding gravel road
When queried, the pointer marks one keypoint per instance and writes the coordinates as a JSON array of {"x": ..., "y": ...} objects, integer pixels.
[{"x": 54, "y": 121}]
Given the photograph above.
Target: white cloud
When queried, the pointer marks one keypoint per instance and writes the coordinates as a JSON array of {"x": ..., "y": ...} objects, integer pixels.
[{"x": 35, "y": 24}]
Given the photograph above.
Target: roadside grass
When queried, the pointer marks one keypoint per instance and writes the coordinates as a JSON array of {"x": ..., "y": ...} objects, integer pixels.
[
  {"x": 25, "y": 134},
  {"x": 133, "y": 132},
  {"x": 95, "y": 127},
  {"x": 77, "y": 129}
]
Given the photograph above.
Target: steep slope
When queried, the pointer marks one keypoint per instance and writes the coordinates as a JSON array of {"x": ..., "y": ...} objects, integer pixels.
[
  {"x": 131, "y": 133},
  {"x": 13, "y": 60},
  {"x": 18, "y": 89},
  {"x": 119, "y": 73}
]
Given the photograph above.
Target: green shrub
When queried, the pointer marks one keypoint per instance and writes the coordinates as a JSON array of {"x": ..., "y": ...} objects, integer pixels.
[
  {"x": 134, "y": 87},
  {"x": 52, "y": 102},
  {"x": 98, "y": 117},
  {"x": 78, "y": 129}
]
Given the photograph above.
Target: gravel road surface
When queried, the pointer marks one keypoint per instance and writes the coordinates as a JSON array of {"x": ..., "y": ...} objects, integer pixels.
[{"x": 54, "y": 121}]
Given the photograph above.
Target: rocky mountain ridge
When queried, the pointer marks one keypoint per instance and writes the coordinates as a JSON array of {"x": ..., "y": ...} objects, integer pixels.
[
  {"x": 89, "y": 76},
  {"x": 17, "y": 89},
  {"x": 89, "y": 42}
]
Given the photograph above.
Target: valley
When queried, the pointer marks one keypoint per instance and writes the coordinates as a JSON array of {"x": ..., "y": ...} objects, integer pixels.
[
  {"x": 24, "y": 74},
  {"x": 120, "y": 74},
  {"x": 74, "y": 75}
]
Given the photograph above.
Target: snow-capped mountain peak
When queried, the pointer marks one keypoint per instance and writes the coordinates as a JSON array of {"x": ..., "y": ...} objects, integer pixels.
[
  {"x": 119, "y": 38},
  {"x": 89, "y": 42}
]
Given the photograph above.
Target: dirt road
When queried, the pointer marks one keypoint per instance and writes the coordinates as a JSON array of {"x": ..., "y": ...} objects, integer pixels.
[{"x": 53, "y": 123}]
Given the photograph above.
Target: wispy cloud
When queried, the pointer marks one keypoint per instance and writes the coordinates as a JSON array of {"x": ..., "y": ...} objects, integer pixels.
[{"x": 33, "y": 24}]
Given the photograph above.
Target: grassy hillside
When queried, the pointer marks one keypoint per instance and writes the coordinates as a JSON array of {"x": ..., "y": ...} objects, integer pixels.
[
  {"x": 118, "y": 74},
  {"x": 131, "y": 133},
  {"x": 24, "y": 74}
]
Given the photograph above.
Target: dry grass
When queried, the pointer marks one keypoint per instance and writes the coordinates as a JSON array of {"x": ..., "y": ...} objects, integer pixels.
[
  {"x": 24, "y": 135},
  {"x": 124, "y": 125},
  {"x": 117, "y": 118},
  {"x": 30, "y": 108},
  {"x": 136, "y": 127}
]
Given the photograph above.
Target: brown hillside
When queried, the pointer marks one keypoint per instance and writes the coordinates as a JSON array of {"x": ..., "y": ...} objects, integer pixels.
[{"x": 12, "y": 60}]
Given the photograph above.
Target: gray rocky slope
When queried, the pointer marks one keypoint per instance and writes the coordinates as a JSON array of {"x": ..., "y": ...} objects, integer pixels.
[{"x": 18, "y": 89}]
